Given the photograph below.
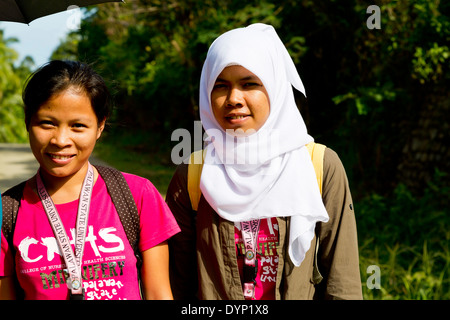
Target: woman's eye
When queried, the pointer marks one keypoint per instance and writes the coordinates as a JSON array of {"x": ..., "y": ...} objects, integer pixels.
[
  {"x": 79, "y": 125},
  {"x": 251, "y": 84},
  {"x": 46, "y": 123},
  {"x": 219, "y": 86}
]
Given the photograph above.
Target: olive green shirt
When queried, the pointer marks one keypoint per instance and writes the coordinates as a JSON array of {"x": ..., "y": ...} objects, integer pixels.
[{"x": 203, "y": 263}]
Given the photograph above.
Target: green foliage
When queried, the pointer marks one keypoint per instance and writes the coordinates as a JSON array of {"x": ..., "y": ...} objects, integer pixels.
[
  {"x": 12, "y": 128},
  {"x": 407, "y": 237},
  {"x": 428, "y": 65}
]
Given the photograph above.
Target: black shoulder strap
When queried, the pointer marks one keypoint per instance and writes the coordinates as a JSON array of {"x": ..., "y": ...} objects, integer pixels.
[
  {"x": 125, "y": 205},
  {"x": 10, "y": 208}
]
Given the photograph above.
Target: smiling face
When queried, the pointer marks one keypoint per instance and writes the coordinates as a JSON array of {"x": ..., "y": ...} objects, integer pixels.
[
  {"x": 239, "y": 100},
  {"x": 63, "y": 133}
]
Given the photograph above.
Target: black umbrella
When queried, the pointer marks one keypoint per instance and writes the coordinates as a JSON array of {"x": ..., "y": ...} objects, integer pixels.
[{"x": 25, "y": 11}]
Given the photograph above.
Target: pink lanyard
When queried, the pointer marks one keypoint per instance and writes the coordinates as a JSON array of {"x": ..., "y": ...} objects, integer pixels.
[
  {"x": 73, "y": 261},
  {"x": 250, "y": 230}
]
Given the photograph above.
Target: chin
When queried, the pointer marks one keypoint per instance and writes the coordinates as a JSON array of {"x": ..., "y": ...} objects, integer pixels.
[{"x": 60, "y": 172}]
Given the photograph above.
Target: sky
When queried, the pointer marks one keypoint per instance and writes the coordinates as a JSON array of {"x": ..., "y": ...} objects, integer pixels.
[{"x": 41, "y": 36}]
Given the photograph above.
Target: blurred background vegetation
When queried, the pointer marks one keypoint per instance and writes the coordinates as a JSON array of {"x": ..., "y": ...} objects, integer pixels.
[{"x": 379, "y": 97}]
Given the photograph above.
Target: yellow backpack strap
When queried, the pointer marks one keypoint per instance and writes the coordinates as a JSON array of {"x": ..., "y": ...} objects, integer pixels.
[
  {"x": 317, "y": 150},
  {"x": 193, "y": 178}
]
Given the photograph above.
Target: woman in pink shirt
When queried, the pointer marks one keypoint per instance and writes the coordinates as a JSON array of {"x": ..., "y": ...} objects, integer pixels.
[{"x": 68, "y": 241}]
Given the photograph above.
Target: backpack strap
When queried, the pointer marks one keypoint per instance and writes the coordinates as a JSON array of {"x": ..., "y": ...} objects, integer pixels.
[
  {"x": 316, "y": 151},
  {"x": 125, "y": 205},
  {"x": 194, "y": 173},
  {"x": 10, "y": 207}
]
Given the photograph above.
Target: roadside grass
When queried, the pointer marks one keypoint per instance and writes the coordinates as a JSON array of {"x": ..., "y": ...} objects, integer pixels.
[
  {"x": 138, "y": 154},
  {"x": 405, "y": 236}
]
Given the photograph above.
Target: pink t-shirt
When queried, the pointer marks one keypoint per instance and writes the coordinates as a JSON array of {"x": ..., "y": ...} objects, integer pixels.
[
  {"x": 266, "y": 254},
  {"x": 109, "y": 265}
]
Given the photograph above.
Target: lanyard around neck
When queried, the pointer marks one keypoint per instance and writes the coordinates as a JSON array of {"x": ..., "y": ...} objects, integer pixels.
[
  {"x": 72, "y": 260},
  {"x": 250, "y": 230}
]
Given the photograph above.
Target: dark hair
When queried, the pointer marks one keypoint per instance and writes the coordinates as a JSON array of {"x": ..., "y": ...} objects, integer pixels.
[{"x": 57, "y": 76}]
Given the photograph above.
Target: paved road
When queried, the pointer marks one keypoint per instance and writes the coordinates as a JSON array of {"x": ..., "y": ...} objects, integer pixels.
[{"x": 17, "y": 164}]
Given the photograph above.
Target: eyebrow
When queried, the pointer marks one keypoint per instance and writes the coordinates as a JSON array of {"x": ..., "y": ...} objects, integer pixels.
[{"x": 254, "y": 78}]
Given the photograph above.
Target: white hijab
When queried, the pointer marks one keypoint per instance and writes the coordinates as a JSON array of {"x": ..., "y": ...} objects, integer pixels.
[{"x": 268, "y": 173}]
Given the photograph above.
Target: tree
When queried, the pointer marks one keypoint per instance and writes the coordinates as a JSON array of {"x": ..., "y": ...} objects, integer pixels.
[{"x": 12, "y": 127}]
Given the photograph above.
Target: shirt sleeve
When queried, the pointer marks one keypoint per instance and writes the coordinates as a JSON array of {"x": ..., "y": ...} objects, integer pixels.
[
  {"x": 338, "y": 250},
  {"x": 1, "y": 216},
  {"x": 6, "y": 259},
  {"x": 182, "y": 247},
  {"x": 157, "y": 222}
]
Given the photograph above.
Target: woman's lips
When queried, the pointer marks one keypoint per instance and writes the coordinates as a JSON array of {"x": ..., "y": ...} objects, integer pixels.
[
  {"x": 236, "y": 118},
  {"x": 60, "y": 158}
]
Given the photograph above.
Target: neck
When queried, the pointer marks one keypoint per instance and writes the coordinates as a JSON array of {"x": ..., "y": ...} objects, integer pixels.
[{"x": 65, "y": 189}]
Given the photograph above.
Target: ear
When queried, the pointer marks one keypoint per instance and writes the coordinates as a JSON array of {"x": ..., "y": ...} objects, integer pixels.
[{"x": 100, "y": 128}]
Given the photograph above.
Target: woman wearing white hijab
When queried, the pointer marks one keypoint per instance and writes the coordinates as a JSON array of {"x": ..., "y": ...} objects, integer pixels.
[{"x": 259, "y": 188}]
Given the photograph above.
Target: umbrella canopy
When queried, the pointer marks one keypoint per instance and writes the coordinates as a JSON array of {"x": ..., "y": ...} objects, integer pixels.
[{"x": 25, "y": 11}]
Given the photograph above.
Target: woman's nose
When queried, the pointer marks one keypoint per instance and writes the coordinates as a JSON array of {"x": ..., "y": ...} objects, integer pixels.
[
  {"x": 61, "y": 137},
  {"x": 235, "y": 98}
]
